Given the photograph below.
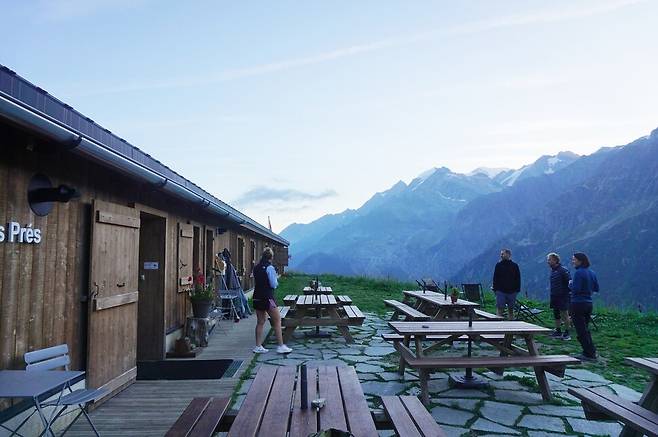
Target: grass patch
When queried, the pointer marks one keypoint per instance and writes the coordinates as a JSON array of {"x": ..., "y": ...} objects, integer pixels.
[{"x": 620, "y": 334}]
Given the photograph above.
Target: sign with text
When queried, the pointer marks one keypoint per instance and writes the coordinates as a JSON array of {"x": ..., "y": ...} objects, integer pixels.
[
  {"x": 15, "y": 233},
  {"x": 151, "y": 265}
]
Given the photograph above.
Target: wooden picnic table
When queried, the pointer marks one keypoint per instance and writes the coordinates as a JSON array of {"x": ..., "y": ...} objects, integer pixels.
[
  {"x": 649, "y": 399},
  {"x": 638, "y": 418},
  {"x": 321, "y": 310},
  {"x": 511, "y": 355},
  {"x": 321, "y": 290},
  {"x": 272, "y": 406},
  {"x": 438, "y": 306}
]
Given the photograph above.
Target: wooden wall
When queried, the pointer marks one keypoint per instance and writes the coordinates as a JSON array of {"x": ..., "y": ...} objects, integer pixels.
[{"x": 43, "y": 286}]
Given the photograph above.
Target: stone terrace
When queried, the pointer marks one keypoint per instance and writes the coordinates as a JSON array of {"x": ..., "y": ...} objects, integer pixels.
[{"x": 511, "y": 406}]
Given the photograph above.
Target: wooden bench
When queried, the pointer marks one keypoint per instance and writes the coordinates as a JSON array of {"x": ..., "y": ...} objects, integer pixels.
[
  {"x": 555, "y": 364},
  {"x": 599, "y": 405},
  {"x": 200, "y": 418},
  {"x": 410, "y": 418},
  {"x": 290, "y": 299},
  {"x": 284, "y": 311},
  {"x": 344, "y": 300},
  {"x": 486, "y": 316},
  {"x": 354, "y": 314},
  {"x": 402, "y": 308}
]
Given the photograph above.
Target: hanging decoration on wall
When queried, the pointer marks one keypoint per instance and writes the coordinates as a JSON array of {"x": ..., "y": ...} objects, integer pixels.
[{"x": 41, "y": 194}]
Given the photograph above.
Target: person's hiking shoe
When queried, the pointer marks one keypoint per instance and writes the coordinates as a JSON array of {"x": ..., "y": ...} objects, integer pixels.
[
  {"x": 582, "y": 357},
  {"x": 556, "y": 334},
  {"x": 566, "y": 336},
  {"x": 260, "y": 350},
  {"x": 283, "y": 349}
]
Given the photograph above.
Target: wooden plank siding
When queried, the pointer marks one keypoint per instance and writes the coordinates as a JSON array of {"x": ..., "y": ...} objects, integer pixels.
[{"x": 44, "y": 287}]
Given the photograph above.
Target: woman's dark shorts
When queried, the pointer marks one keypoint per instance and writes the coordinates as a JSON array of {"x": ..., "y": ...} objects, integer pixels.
[{"x": 264, "y": 304}]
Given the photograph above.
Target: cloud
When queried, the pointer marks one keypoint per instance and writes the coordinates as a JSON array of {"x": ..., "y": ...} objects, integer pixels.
[
  {"x": 266, "y": 195},
  {"x": 485, "y": 25}
]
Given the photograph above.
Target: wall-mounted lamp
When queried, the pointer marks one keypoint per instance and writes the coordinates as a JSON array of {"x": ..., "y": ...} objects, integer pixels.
[{"x": 41, "y": 194}]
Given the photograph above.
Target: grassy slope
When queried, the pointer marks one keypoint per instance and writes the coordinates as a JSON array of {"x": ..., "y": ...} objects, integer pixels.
[{"x": 620, "y": 334}]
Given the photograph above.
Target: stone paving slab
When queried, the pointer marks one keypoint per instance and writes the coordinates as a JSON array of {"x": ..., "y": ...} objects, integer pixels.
[
  {"x": 489, "y": 426},
  {"x": 450, "y": 416},
  {"x": 556, "y": 410},
  {"x": 464, "y": 404},
  {"x": 545, "y": 423},
  {"x": 592, "y": 427},
  {"x": 500, "y": 412}
]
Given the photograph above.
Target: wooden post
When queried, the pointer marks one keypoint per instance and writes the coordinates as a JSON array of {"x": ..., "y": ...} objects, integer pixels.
[{"x": 540, "y": 373}]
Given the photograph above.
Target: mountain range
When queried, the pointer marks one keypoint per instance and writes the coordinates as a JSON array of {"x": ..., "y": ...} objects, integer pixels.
[{"x": 451, "y": 226}]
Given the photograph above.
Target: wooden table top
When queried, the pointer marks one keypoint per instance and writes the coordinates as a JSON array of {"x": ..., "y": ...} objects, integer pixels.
[
  {"x": 314, "y": 300},
  {"x": 462, "y": 328},
  {"x": 650, "y": 364},
  {"x": 266, "y": 410},
  {"x": 439, "y": 299}
]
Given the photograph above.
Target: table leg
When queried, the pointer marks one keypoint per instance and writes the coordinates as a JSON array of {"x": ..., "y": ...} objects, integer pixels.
[
  {"x": 46, "y": 424},
  {"x": 540, "y": 373},
  {"x": 344, "y": 330},
  {"x": 405, "y": 342},
  {"x": 423, "y": 376}
]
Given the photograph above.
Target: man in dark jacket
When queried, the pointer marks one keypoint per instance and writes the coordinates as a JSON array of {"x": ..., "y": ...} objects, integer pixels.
[
  {"x": 506, "y": 283},
  {"x": 560, "y": 295}
]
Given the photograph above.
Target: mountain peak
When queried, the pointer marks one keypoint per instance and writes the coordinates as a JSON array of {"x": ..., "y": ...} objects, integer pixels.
[{"x": 490, "y": 172}]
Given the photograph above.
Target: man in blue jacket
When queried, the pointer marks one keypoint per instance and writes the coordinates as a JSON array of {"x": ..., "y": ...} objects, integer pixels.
[{"x": 560, "y": 296}]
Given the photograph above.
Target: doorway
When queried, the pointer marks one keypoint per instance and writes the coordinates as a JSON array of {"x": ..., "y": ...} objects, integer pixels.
[
  {"x": 210, "y": 255},
  {"x": 150, "y": 319}
]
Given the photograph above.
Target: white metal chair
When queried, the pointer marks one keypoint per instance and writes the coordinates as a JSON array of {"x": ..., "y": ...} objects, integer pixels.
[{"x": 54, "y": 358}]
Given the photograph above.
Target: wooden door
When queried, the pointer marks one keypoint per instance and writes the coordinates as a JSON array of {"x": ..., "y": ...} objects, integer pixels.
[
  {"x": 150, "y": 310},
  {"x": 113, "y": 275}
]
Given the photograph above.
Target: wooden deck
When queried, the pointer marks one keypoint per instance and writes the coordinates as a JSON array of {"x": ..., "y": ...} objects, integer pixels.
[{"x": 149, "y": 408}]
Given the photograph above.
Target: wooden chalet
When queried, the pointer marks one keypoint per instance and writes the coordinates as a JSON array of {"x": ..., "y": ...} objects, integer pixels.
[{"x": 98, "y": 240}]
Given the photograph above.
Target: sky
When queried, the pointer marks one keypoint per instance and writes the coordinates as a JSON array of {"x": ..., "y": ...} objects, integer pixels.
[{"x": 296, "y": 109}]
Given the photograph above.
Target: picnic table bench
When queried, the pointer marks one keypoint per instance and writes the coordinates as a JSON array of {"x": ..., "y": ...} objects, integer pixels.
[
  {"x": 320, "y": 310},
  {"x": 200, "y": 418},
  {"x": 272, "y": 406},
  {"x": 639, "y": 419},
  {"x": 410, "y": 418},
  {"x": 510, "y": 354},
  {"x": 402, "y": 308}
]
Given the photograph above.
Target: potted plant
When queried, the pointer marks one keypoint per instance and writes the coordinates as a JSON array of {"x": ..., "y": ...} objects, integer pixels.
[
  {"x": 202, "y": 296},
  {"x": 454, "y": 294}
]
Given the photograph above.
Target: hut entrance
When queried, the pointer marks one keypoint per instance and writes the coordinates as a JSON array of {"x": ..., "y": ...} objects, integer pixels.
[
  {"x": 113, "y": 274},
  {"x": 150, "y": 324},
  {"x": 210, "y": 256}
]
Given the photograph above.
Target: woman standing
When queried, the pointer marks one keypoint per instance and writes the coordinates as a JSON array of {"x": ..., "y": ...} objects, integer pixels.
[
  {"x": 584, "y": 283},
  {"x": 264, "y": 304}
]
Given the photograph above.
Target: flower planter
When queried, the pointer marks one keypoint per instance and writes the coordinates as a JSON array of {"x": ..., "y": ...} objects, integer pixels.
[
  {"x": 201, "y": 308},
  {"x": 454, "y": 298}
]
